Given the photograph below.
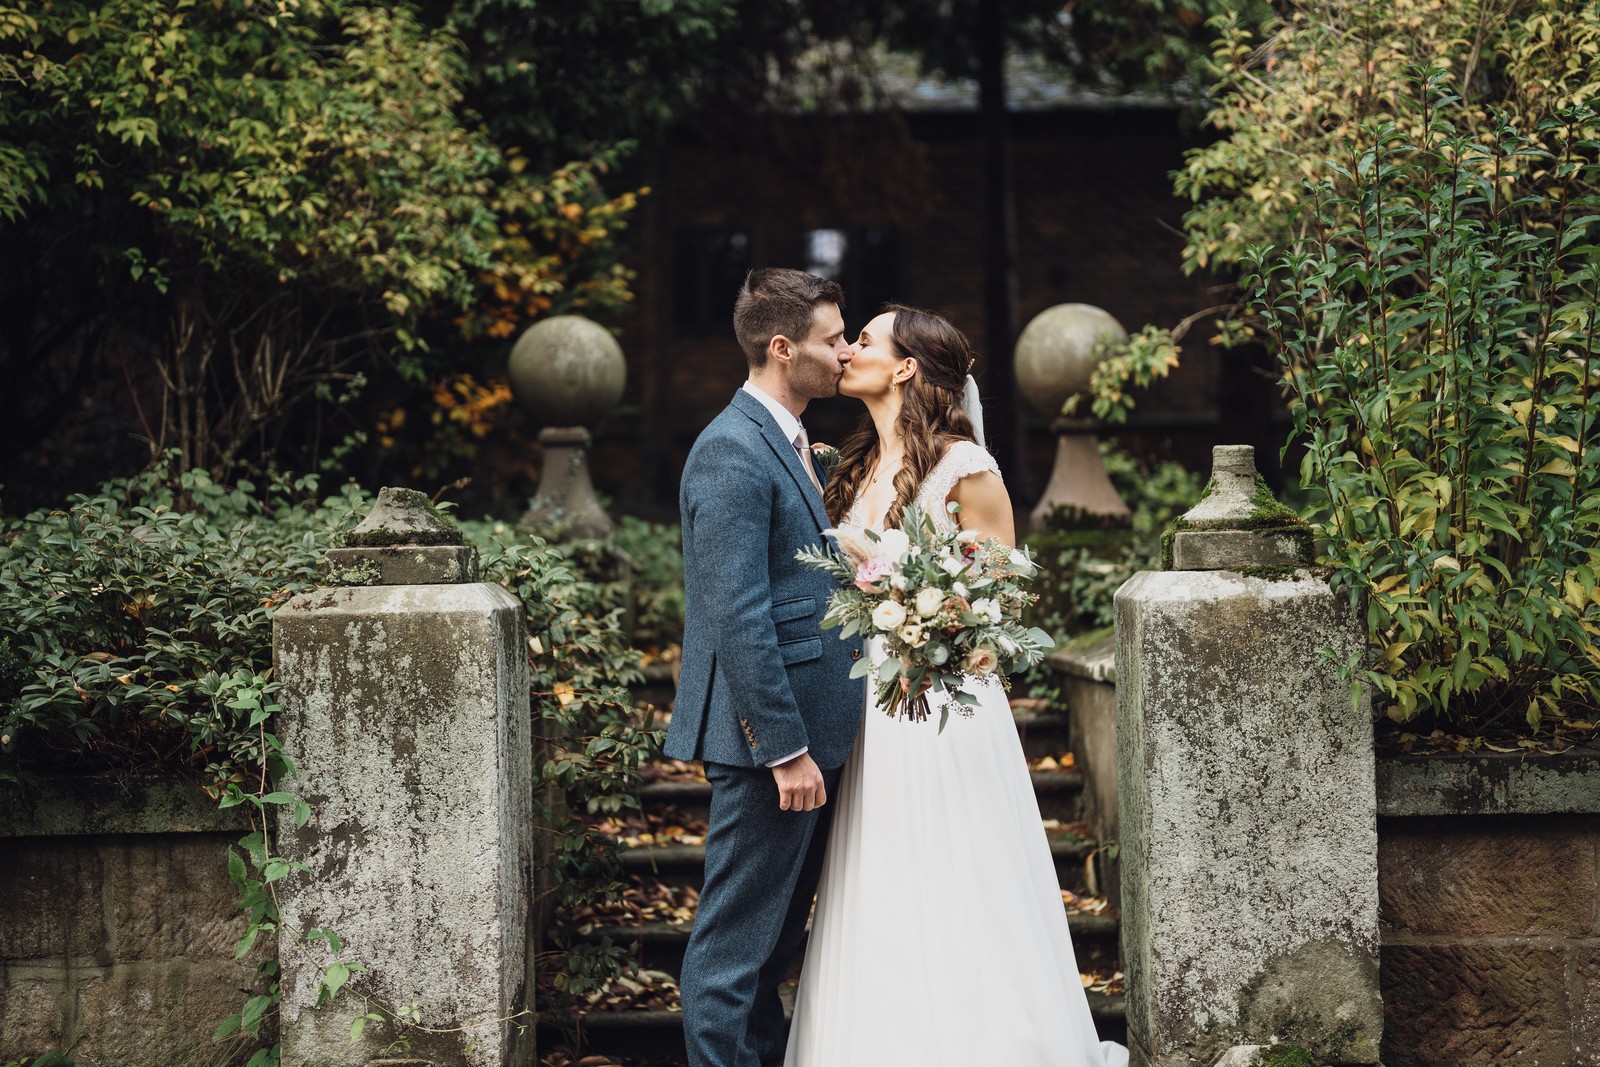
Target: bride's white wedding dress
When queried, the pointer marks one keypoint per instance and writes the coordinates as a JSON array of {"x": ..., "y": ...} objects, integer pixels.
[{"x": 939, "y": 937}]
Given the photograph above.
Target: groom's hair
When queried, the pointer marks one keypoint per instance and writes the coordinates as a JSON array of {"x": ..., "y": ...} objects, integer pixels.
[{"x": 777, "y": 301}]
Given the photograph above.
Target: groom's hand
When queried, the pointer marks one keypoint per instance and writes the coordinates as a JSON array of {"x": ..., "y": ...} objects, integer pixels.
[{"x": 800, "y": 785}]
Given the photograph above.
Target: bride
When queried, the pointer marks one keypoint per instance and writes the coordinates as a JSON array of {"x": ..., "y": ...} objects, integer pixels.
[{"x": 939, "y": 937}]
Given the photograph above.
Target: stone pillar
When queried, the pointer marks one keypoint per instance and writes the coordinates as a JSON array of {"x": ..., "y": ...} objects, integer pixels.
[
  {"x": 568, "y": 373},
  {"x": 1056, "y": 355},
  {"x": 405, "y": 712},
  {"x": 1247, "y": 805}
]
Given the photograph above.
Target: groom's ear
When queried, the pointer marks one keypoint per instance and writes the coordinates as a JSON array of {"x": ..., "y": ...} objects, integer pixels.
[{"x": 780, "y": 348}]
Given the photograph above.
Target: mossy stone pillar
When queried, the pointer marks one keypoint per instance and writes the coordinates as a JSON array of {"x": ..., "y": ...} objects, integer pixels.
[
  {"x": 1248, "y": 813},
  {"x": 405, "y": 712}
]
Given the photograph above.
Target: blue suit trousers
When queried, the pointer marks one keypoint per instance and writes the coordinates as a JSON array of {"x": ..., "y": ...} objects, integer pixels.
[{"x": 762, "y": 869}]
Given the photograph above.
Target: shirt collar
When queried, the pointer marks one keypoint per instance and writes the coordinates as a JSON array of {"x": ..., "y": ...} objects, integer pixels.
[{"x": 786, "y": 420}]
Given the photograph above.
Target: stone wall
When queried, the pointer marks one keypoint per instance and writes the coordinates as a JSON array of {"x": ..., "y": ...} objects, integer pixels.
[
  {"x": 1489, "y": 889},
  {"x": 119, "y": 925}
]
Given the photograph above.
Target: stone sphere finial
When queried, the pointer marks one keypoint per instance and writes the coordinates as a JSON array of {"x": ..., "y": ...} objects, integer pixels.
[
  {"x": 567, "y": 371},
  {"x": 1059, "y": 350}
]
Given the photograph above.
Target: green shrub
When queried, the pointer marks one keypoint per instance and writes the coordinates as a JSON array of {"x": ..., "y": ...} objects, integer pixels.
[
  {"x": 129, "y": 617},
  {"x": 1440, "y": 351},
  {"x": 590, "y": 739}
]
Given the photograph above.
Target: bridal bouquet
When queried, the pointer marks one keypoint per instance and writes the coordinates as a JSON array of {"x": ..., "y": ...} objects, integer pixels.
[{"x": 948, "y": 607}]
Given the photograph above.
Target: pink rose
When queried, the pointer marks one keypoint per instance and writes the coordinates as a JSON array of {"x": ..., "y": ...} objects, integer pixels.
[{"x": 871, "y": 571}]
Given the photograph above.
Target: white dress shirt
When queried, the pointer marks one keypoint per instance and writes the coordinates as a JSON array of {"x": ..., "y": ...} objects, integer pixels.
[{"x": 791, "y": 430}]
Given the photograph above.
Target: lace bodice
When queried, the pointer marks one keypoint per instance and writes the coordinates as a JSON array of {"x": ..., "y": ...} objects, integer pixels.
[{"x": 959, "y": 460}]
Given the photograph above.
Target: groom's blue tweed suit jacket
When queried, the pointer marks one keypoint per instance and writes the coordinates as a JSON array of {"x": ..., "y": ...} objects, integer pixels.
[{"x": 759, "y": 679}]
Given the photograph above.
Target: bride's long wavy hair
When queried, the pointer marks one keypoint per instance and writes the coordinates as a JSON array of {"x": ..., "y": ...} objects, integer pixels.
[{"x": 931, "y": 416}]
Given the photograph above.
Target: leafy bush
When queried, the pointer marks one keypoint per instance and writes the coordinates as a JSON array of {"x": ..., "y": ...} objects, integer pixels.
[
  {"x": 589, "y": 738},
  {"x": 1081, "y": 569},
  {"x": 1439, "y": 341},
  {"x": 1292, "y": 88},
  {"x": 129, "y": 618}
]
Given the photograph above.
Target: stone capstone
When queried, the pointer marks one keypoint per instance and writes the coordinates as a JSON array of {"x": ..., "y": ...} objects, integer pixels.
[
  {"x": 402, "y": 517},
  {"x": 1238, "y": 524},
  {"x": 1490, "y": 783},
  {"x": 404, "y": 540}
]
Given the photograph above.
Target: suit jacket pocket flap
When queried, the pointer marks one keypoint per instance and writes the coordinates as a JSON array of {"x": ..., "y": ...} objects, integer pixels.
[
  {"x": 797, "y": 608},
  {"x": 807, "y": 648}
]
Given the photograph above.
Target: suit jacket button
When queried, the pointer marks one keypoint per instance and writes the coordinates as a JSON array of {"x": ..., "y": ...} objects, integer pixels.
[{"x": 855, "y": 653}]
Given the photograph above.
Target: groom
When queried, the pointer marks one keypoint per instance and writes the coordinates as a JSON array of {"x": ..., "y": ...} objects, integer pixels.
[{"x": 764, "y": 697}]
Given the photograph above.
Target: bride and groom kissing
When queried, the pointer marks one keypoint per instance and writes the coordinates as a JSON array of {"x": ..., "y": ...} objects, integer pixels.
[{"x": 939, "y": 936}]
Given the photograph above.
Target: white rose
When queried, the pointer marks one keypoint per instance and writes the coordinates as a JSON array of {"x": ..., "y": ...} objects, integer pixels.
[
  {"x": 892, "y": 545},
  {"x": 929, "y": 600},
  {"x": 981, "y": 661},
  {"x": 911, "y": 634},
  {"x": 888, "y": 615}
]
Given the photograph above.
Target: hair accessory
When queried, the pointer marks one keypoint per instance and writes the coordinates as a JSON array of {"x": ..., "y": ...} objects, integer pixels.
[{"x": 973, "y": 405}]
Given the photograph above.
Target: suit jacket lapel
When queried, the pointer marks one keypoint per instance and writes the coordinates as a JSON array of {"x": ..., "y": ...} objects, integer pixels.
[{"x": 787, "y": 456}]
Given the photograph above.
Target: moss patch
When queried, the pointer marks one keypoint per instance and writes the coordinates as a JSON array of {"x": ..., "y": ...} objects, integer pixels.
[
  {"x": 1287, "y": 1056},
  {"x": 1088, "y": 639},
  {"x": 1266, "y": 511}
]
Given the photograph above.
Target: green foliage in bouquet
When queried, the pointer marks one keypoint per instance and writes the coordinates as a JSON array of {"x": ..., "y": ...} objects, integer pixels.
[
  {"x": 1437, "y": 329},
  {"x": 947, "y": 606}
]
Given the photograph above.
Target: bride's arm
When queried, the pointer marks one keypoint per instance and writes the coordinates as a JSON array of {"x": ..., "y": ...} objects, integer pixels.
[{"x": 985, "y": 506}]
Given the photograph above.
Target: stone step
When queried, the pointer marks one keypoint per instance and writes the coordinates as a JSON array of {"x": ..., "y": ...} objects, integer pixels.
[
  {"x": 658, "y": 1034},
  {"x": 1060, "y": 794},
  {"x": 686, "y": 864},
  {"x": 659, "y": 945},
  {"x": 1044, "y": 733}
]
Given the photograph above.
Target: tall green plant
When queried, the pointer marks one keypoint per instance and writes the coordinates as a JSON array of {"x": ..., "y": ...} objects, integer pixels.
[{"x": 1440, "y": 352}]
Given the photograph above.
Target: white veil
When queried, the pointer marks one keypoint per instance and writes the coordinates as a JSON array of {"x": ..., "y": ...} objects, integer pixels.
[{"x": 973, "y": 405}]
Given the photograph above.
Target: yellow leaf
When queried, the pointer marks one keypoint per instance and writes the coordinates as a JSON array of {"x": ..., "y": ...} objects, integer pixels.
[{"x": 564, "y": 693}]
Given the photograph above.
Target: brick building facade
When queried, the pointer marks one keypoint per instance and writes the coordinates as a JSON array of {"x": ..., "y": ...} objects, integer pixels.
[{"x": 891, "y": 206}]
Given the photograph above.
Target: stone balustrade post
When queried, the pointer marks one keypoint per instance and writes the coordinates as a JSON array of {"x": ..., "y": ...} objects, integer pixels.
[
  {"x": 568, "y": 373},
  {"x": 1056, "y": 356},
  {"x": 406, "y": 715},
  {"x": 1248, "y": 811}
]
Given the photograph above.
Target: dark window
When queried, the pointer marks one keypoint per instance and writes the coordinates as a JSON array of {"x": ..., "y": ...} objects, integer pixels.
[
  {"x": 865, "y": 261},
  {"x": 708, "y": 269}
]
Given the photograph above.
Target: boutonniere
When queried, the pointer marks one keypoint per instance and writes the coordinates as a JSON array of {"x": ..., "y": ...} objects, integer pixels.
[{"x": 826, "y": 457}]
